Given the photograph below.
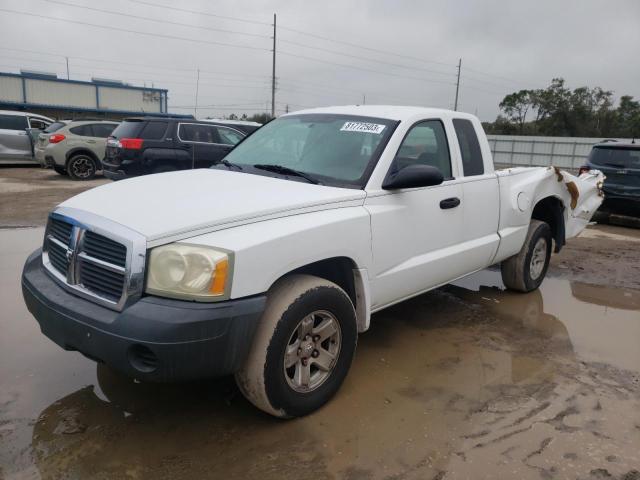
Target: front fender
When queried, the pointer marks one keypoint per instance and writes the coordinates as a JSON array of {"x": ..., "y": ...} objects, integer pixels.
[{"x": 266, "y": 250}]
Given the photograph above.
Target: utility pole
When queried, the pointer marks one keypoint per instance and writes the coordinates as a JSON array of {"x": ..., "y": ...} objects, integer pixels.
[
  {"x": 67, "y": 58},
  {"x": 273, "y": 72},
  {"x": 364, "y": 99},
  {"x": 195, "y": 109},
  {"x": 455, "y": 107}
]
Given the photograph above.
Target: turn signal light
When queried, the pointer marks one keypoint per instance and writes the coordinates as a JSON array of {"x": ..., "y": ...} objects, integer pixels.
[
  {"x": 131, "y": 143},
  {"x": 56, "y": 138}
]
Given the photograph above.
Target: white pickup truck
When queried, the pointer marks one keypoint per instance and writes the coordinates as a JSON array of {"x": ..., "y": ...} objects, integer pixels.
[{"x": 270, "y": 264}]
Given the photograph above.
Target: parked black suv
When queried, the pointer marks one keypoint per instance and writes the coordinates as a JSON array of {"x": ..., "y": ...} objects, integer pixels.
[
  {"x": 143, "y": 145},
  {"x": 620, "y": 162}
]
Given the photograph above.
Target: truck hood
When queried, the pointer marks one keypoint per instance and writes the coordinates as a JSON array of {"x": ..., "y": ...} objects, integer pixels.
[{"x": 172, "y": 206}]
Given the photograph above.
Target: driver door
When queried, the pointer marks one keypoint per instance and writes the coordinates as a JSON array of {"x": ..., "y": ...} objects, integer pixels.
[{"x": 417, "y": 232}]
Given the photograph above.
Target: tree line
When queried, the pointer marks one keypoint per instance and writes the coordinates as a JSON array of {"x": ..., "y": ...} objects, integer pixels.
[{"x": 560, "y": 111}]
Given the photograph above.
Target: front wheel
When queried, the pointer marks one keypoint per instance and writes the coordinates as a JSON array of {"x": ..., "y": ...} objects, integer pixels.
[
  {"x": 525, "y": 271},
  {"x": 81, "y": 167},
  {"x": 302, "y": 349}
]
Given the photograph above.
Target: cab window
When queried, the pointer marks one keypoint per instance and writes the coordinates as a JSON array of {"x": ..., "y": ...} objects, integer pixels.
[
  {"x": 425, "y": 144},
  {"x": 472, "y": 163}
]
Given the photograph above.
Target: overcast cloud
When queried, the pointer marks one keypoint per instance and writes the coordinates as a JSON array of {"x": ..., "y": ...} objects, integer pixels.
[{"x": 504, "y": 46}]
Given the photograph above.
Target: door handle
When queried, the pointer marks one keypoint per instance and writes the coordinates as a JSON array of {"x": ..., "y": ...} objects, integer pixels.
[{"x": 452, "y": 202}]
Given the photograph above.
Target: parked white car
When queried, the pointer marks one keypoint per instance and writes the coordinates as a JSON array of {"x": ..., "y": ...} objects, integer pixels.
[
  {"x": 269, "y": 265},
  {"x": 18, "y": 133}
]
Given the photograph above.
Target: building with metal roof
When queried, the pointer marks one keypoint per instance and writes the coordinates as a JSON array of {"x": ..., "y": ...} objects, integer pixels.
[{"x": 46, "y": 94}]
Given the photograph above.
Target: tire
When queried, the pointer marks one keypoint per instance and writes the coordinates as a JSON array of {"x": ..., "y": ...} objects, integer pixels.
[
  {"x": 525, "y": 271},
  {"x": 295, "y": 304},
  {"x": 81, "y": 167},
  {"x": 164, "y": 168},
  {"x": 60, "y": 170}
]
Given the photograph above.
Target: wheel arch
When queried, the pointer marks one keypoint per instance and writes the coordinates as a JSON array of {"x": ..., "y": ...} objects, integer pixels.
[
  {"x": 551, "y": 211},
  {"x": 81, "y": 150},
  {"x": 344, "y": 272}
]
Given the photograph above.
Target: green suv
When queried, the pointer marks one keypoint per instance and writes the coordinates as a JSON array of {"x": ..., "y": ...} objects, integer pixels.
[{"x": 74, "y": 148}]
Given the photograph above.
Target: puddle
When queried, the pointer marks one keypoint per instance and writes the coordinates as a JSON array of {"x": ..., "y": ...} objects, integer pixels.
[{"x": 468, "y": 381}]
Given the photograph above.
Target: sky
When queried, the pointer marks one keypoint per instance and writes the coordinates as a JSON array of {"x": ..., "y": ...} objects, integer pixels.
[{"x": 332, "y": 52}]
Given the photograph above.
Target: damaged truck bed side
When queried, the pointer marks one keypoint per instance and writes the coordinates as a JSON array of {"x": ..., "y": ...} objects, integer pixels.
[{"x": 270, "y": 264}]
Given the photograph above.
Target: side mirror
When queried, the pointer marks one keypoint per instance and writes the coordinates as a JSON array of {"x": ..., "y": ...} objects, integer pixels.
[{"x": 413, "y": 176}]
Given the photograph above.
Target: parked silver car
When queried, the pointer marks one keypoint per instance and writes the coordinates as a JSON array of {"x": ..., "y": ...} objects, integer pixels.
[
  {"x": 74, "y": 148},
  {"x": 18, "y": 133}
]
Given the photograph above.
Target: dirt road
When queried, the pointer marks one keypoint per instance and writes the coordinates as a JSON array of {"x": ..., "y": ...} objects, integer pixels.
[{"x": 468, "y": 381}]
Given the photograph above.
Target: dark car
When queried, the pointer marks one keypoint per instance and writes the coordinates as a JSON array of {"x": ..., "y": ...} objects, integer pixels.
[
  {"x": 620, "y": 162},
  {"x": 143, "y": 145}
]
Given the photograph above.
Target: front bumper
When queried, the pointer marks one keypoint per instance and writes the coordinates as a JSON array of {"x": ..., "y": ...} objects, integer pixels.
[{"x": 155, "y": 339}]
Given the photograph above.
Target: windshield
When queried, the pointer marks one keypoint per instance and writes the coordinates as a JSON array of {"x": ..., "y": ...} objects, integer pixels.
[
  {"x": 336, "y": 149},
  {"x": 616, "y": 157}
]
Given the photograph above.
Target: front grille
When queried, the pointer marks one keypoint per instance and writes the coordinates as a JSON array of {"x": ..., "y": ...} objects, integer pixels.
[
  {"x": 100, "y": 280},
  {"x": 105, "y": 249},
  {"x": 86, "y": 260},
  {"x": 58, "y": 257},
  {"x": 60, "y": 230}
]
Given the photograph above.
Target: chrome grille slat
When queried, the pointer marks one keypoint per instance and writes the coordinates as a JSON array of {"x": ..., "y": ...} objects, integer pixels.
[
  {"x": 58, "y": 258},
  {"x": 60, "y": 230},
  {"x": 105, "y": 249}
]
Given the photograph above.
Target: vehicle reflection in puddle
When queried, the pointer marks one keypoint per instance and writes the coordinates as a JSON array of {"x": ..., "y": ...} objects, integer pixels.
[{"x": 466, "y": 381}]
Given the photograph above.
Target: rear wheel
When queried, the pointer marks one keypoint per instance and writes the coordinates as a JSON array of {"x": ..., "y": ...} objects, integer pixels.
[
  {"x": 81, "y": 167},
  {"x": 525, "y": 271},
  {"x": 303, "y": 348}
]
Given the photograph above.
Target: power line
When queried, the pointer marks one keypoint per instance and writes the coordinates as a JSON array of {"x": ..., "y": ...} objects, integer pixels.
[
  {"x": 365, "y": 69},
  {"x": 130, "y": 15},
  {"x": 118, "y": 29},
  {"x": 368, "y": 59},
  {"x": 300, "y": 32},
  {"x": 197, "y": 12},
  {"x": 385, "y": 52}
]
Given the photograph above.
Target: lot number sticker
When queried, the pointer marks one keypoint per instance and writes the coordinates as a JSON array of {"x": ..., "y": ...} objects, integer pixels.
[{"x": 362, "y": 127}]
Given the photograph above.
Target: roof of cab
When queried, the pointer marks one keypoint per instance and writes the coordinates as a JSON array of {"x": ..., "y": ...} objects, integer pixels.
[{"x": 391, "y": 112}]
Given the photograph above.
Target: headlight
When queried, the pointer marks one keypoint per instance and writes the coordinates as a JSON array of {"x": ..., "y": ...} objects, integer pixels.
[{"x": 188, "y": 272}]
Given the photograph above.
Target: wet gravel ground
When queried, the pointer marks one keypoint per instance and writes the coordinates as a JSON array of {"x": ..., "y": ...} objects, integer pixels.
[{"x": 468, "y": 381}]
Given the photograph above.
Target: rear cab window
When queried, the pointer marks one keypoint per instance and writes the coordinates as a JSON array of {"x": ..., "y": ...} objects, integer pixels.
[
  {"x": 13, "y": 122},
  {"x": 472, "y": 161}
]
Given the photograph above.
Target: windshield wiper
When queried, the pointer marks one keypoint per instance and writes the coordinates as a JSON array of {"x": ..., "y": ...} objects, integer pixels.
[
  {"x": 287, "y": 171},
  {"x": 228, "y": 164}
]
